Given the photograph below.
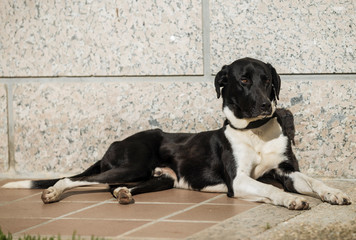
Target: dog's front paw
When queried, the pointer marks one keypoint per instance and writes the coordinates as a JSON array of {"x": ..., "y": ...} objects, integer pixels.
[
  {"x": 123, "y": 195},
  {"x": 297, "y": 203},
  {"x": 50, "y": 195},
  {"x": 335, "y": 197}
]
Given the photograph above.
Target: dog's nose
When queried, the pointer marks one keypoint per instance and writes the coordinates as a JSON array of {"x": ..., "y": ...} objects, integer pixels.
[{"x": 266, "y": 106}]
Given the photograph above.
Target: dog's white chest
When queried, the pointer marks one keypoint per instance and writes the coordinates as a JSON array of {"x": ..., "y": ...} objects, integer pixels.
[{"x": 259, "y": 150}]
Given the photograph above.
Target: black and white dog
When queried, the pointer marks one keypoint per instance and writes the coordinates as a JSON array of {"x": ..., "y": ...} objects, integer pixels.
[{"x": 253, "y": 147}]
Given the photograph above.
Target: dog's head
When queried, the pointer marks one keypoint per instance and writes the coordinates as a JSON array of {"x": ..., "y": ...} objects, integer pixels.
[{"x": 250, "y": 90}]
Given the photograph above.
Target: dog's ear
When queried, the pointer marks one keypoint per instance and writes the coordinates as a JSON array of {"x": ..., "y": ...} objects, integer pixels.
[
  {"x": 276, "y": 83},
  {"x": 221, "y": 79}
]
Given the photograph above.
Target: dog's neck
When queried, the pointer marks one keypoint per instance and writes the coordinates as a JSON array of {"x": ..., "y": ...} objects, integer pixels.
[{"x": 245, "y": 123}]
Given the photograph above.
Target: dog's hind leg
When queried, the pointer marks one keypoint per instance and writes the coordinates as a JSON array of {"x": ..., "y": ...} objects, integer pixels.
[
  {"x": 54, "y": 193},
  {"x": 162, "y": 179},
  {"x": 112, "y": 176}
]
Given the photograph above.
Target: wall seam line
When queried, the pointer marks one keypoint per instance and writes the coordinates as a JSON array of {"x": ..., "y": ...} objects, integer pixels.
[
  {"x": 10, "y": 128},
  {"x": 206, "y": 38},
  {"x": 176, "y": 79}
]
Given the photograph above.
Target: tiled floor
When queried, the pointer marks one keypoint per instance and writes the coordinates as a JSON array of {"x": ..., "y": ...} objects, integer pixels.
[{"x": 92, "y": 211}]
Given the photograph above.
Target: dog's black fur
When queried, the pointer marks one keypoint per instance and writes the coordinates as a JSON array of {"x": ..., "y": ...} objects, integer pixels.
[{"x": 249, "y": 88}]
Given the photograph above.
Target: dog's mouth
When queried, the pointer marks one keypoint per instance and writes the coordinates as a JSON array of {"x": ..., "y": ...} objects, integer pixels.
[
  {"x": 259, "y": 117},
  {"x": 258, "y": 114},
  {"x": 266, "y": 113}
]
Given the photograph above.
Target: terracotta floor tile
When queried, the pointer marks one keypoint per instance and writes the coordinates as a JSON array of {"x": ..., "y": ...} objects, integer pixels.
[
  {"x": 84, "y": 227},
  {"x": 13, "y": 194},
  {"x": 227, "y": 200},
  {"x": 170, "y": 230},
  {"x": 175, "y": 196},
  {"x": 133, "y": 211},
  {"x": 111, "y": 219},
  {"x": 87, "y": 194},
  {"x": 210, "y": 212},
  {"x": 15, "y": 225},
  {"x": 25, "y": 209}
]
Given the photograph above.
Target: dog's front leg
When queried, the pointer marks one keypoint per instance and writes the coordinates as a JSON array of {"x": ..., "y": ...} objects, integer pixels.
[
  {"x": 312, "y": 187},
  {"x": 250, "y": 189}
]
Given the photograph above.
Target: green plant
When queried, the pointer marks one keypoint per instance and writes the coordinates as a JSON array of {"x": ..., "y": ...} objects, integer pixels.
[
  {"x": 9, "y": 236},
  {"x": 268, "y": 226}
]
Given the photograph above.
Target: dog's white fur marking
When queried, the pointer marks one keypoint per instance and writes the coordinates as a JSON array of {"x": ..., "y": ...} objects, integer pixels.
[
  {"x": 159, "y": 171},
  {"x": 258, "y": 150},
  {"x": 181, "y": 183},
  {"x": 243, "y": 122},
  {"x": 18, "y": 184},
  {"x": 252, "y": 190},
  {"x": 216, "y": 188},
  {"x": 54, "y": 193}
]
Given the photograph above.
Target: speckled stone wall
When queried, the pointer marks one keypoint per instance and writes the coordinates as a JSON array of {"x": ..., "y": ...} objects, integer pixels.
[
  {"x": 312, "y": 36},
  {"x": 65, "y": 127},
  {"x": 61, "y": 128},
  {"x": 84, "y": 38},
  {"x": 325, "y": 118},
  {"x": 82, "y": 74}
]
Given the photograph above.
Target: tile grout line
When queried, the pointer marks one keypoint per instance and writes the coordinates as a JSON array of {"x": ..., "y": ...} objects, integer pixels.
[
  {"x": 61, "y": 217},
  {"x": 167, "y": 203},
  {"x": 138, "y": 219},
  {"x": 168, "y": 216},
  {"x": 234, "y": 204},
  {"x": 18, "y": 199},
  {"x": 189, "y": 221},
  {"x": 114, "y": 219}
]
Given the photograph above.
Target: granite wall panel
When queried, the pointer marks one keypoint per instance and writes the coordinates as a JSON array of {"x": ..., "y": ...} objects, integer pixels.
[
  {"x": 295, "y": 36},
  {"x": 63, "y": 128},
  {"x": 85, "y": 38},
  {"x": 325, "y": 118}
]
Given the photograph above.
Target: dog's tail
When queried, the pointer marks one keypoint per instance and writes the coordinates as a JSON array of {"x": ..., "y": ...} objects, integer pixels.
[
  {"x": 33, "y": 184},
  {"x": 42, "y": 184}
]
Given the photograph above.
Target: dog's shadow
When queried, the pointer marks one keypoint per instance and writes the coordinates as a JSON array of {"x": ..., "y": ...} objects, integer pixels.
[{"x": 69, "y": 194}]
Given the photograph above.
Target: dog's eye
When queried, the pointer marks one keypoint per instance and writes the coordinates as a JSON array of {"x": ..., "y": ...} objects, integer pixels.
[{"x": 245, "y": 80}]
